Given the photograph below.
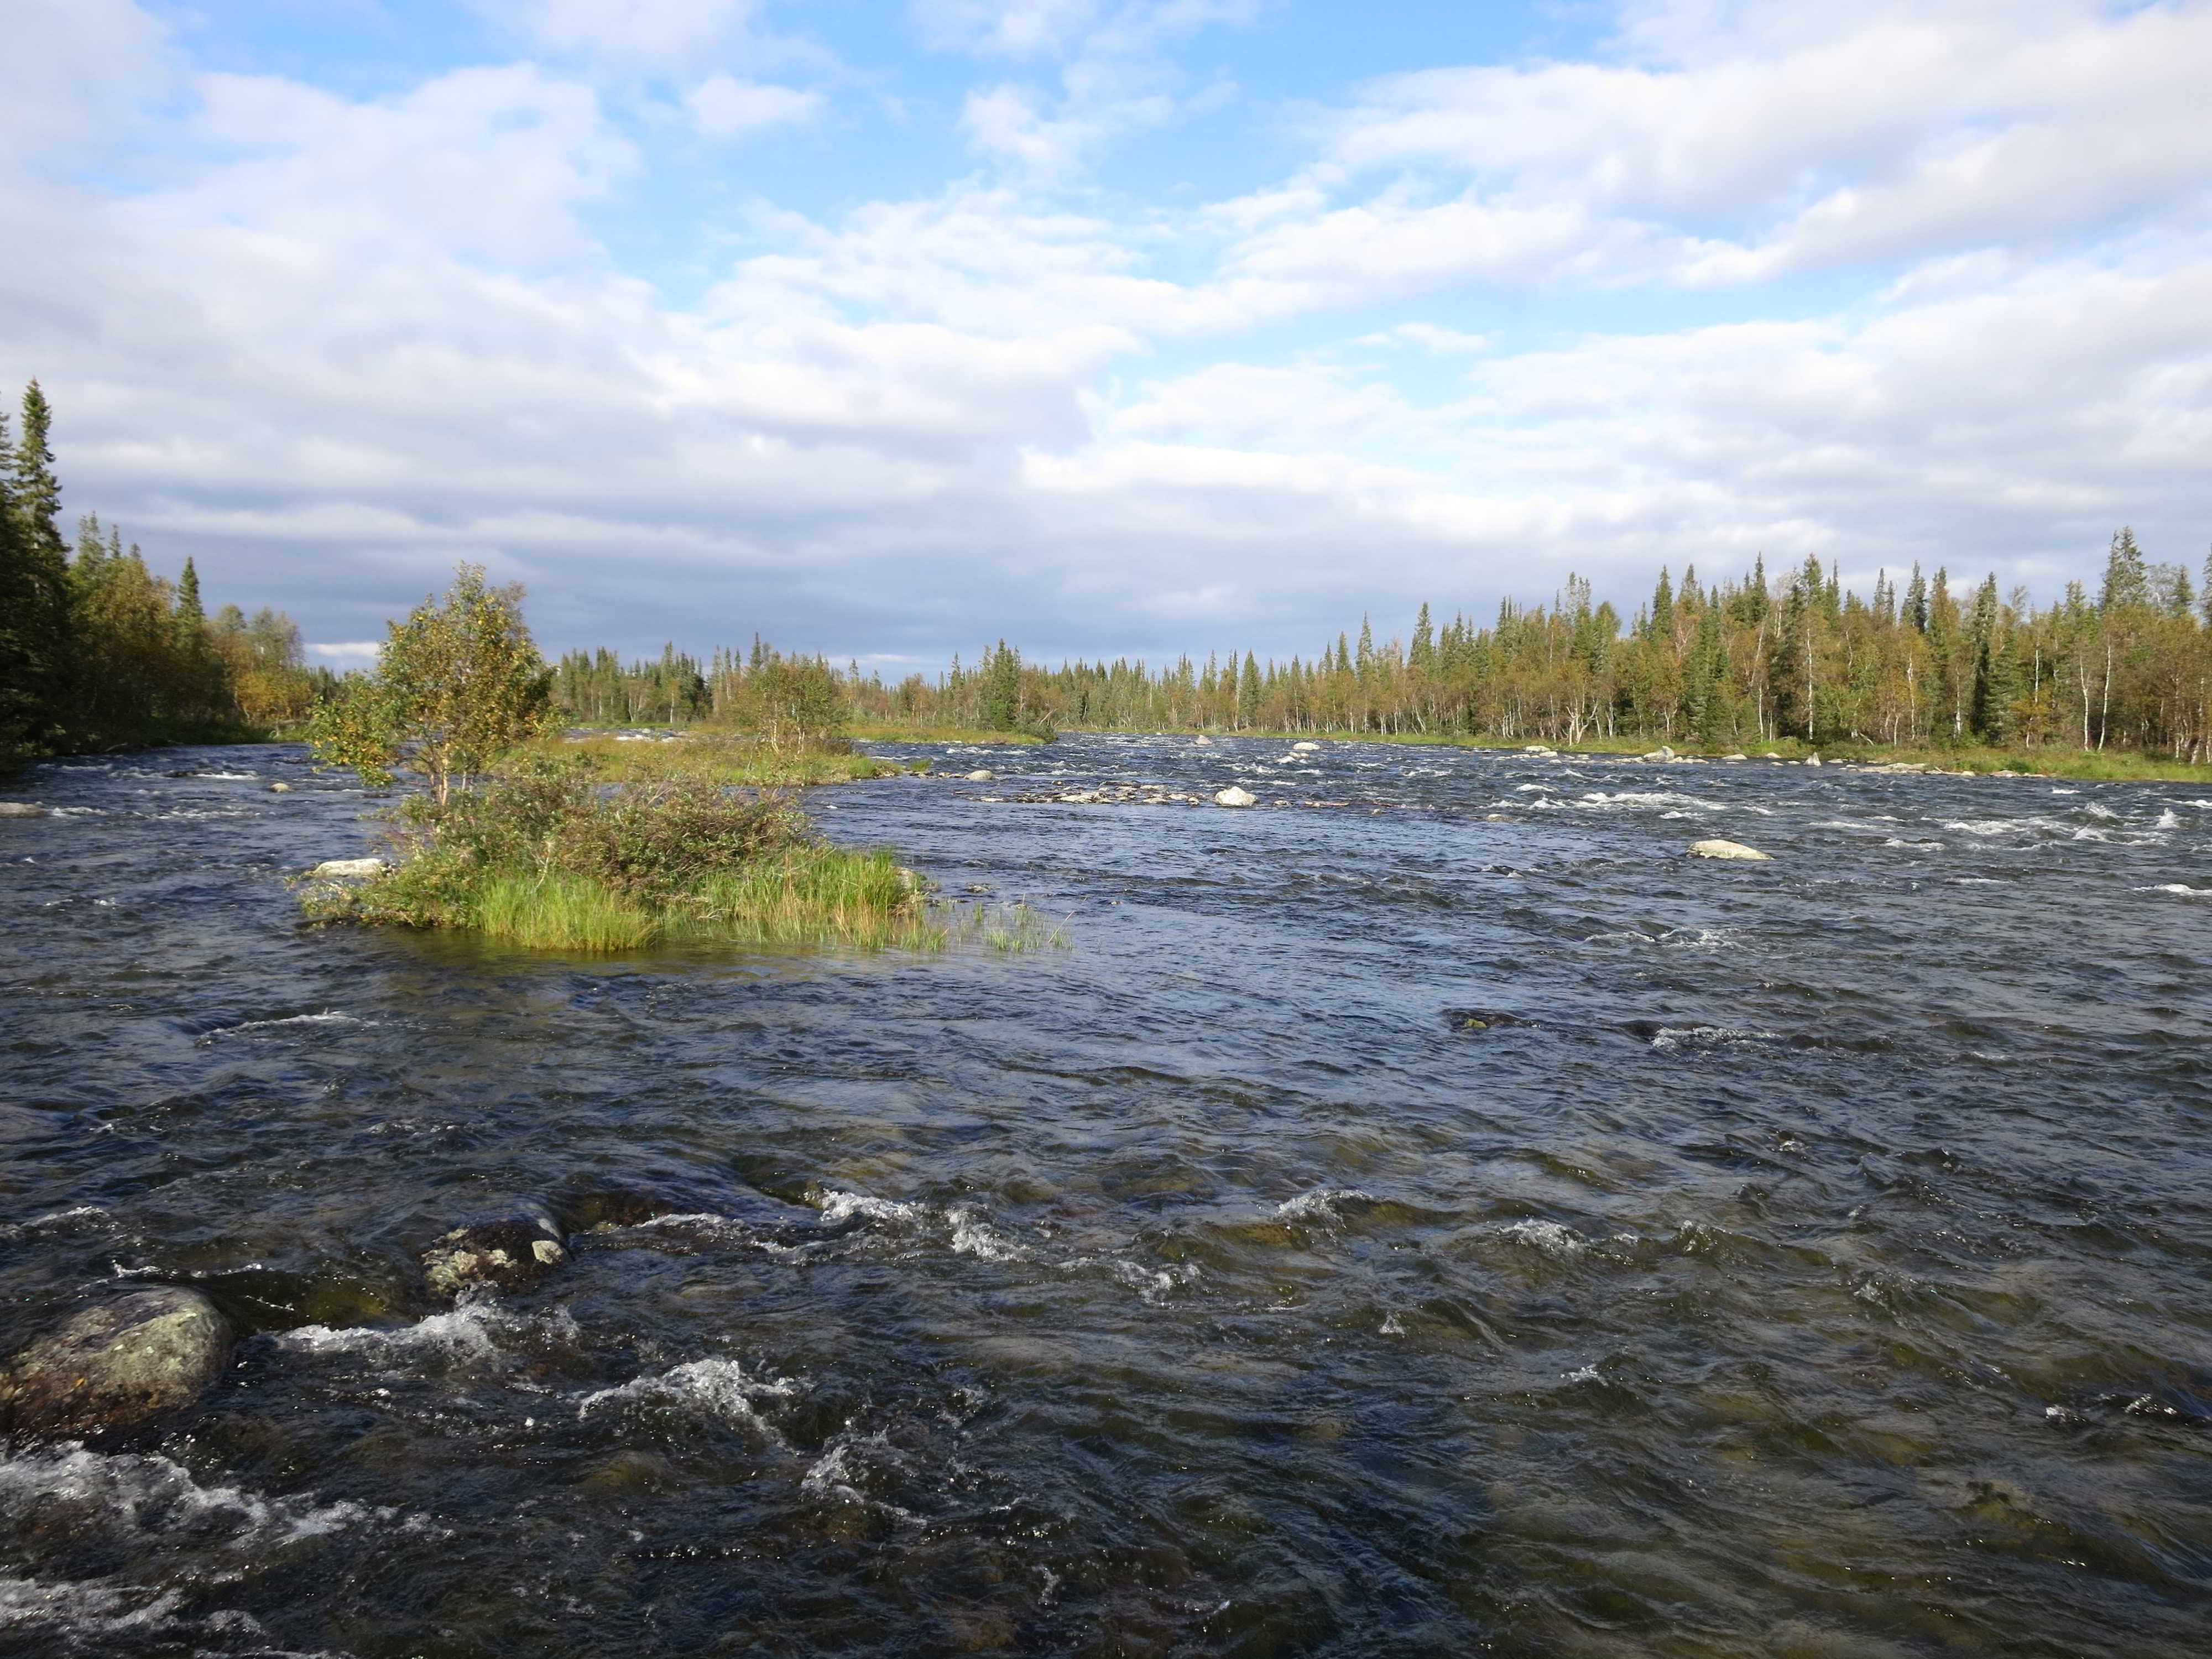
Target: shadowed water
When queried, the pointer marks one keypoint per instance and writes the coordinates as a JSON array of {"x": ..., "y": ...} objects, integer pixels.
[{"x": 1446, "y": 1220}]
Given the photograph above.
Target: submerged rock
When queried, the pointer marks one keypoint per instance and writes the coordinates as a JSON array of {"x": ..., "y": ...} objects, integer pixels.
[
  {"x": 512, "y": 1251},
  {"x": 1728, "y": 849},
  {"x": 1476, "y": 1020},
  {"x": 1232, "y": 796},
  {"x": 21, "y": 809},
  {"x": 349, "y": 868},
  {"x": 117, "y": 1363}
]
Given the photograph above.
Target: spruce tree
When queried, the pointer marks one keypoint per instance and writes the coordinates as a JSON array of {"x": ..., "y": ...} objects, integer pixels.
[
  {"x": 1916, "y": 600},
  {"x": 2127, "y": 582},
  {"x": 1661, "y": 625},
  {"x": 35, "y": 652}
]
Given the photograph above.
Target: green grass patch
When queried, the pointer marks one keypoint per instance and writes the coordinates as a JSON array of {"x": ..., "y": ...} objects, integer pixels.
[
  {"x": 561, "y": 913},
  {"x": 719, "y": 758},
  {"x": 554, "y": 856}
]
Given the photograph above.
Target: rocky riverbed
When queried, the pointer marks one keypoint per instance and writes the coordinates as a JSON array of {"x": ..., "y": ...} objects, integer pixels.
[{"x": 1427, "y": 1211}]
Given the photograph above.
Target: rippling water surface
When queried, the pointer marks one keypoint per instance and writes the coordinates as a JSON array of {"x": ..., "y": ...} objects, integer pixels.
[{"x": 1447, "y": 1220}]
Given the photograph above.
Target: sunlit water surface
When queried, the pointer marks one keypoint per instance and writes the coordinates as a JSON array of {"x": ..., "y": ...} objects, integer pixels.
[{"x": 1446, "y": 1220}]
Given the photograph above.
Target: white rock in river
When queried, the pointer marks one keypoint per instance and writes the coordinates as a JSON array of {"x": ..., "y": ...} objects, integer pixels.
[
  {"x": 349, "y": 868},
  {"x": 279, "y": 788},
  {"x": 1662, "y": 753},
  {"x": 21, "y": 809},
  {"x": 1811, "y": 760},
  {"x": 980, "y": 776},
  {"x": 1202, "y": 741},
  {"x": 1232, "y": 796},
  {"x": 1304, "y": 747},
  {"x": 1728, "y": 849}
]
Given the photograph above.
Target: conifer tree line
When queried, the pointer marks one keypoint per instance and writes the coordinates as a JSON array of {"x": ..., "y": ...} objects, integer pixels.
[
  {"x": 1754, "y": 660},
  {"x": 98, "y": 652}
]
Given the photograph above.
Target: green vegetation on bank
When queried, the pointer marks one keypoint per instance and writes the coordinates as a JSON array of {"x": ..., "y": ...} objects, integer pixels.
[
  {"x": 2113, "y": 765},
  {"x": 893, "y": 732},
  {"x": 1912, "y": 667},
  {"x": 99, "y": 653},
  {"x": 522, "y": 835}
]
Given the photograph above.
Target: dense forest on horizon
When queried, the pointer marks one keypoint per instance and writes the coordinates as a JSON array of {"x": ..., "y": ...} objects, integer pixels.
[
  {"x": 1750, "y": 660},
  {"x": 98, "y": 652}
]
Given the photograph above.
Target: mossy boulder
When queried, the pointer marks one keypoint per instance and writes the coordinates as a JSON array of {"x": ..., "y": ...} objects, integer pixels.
[{"x": 117, "y": 1365}]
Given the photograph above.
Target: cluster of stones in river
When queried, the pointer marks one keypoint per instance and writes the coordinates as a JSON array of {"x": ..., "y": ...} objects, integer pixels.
[{"x": 137, "y": 1360}]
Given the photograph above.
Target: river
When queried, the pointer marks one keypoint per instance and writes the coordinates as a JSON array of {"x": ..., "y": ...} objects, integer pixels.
[{"x": 1446, "y": 1220}]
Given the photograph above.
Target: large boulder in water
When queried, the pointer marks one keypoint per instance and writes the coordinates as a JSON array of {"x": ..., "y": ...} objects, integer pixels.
[
  {"x": 21, "y": 809},
  {"x": 1728, "y": 849},
  {"x": 1232, "y": 796},
  {"x": 512, "y": 1251},
  {"x": 117, "y": 1365}
]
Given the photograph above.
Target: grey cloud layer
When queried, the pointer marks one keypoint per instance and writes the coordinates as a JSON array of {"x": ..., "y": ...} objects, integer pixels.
[{"x": 348, "y": 342}]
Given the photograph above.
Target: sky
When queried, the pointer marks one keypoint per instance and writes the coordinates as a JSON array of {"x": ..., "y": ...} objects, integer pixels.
[{"x": 886, "y": 329}]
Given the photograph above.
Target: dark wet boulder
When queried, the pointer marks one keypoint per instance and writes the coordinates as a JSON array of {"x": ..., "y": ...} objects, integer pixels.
[
  {"x": 118, "y": 1364},
  {"x": 511, "y": 1251}
]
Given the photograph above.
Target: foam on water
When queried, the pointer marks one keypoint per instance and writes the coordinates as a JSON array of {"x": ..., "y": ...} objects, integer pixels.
[
  {"x": 848, "y": 1460},
  {"x": 2181, "y": 888},
  {"x": 1673, "y": 938},
  {"x": 146, "y": 1498},
  {"x": 1660, "y": 798},
  {"x": 1553, "y": 1238},
  {"x": 973, "y": 1236},
  {"x": 81, "y": 1215},
  {"x": 1671, "y": 1039},
  {"x": 720, "y": 1388},
  {"x": 964, "y": 1227},
  {"x": 1320, "y": 1204},
  {"x": 479, "y": 1330},
  {"x": 843, "y": 1206},
  {"x": 328, "y": 1017}
]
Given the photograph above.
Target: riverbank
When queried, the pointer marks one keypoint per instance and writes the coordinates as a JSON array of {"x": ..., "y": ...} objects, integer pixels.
[
  {"x": 890, "y": 731},
  {"x": 2109, "y": 766}
]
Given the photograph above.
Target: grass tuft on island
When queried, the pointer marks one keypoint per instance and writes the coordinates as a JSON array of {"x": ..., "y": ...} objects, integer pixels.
[
  {"x": 720, "y": 758},
  {"x": 551, "y": 857}
]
